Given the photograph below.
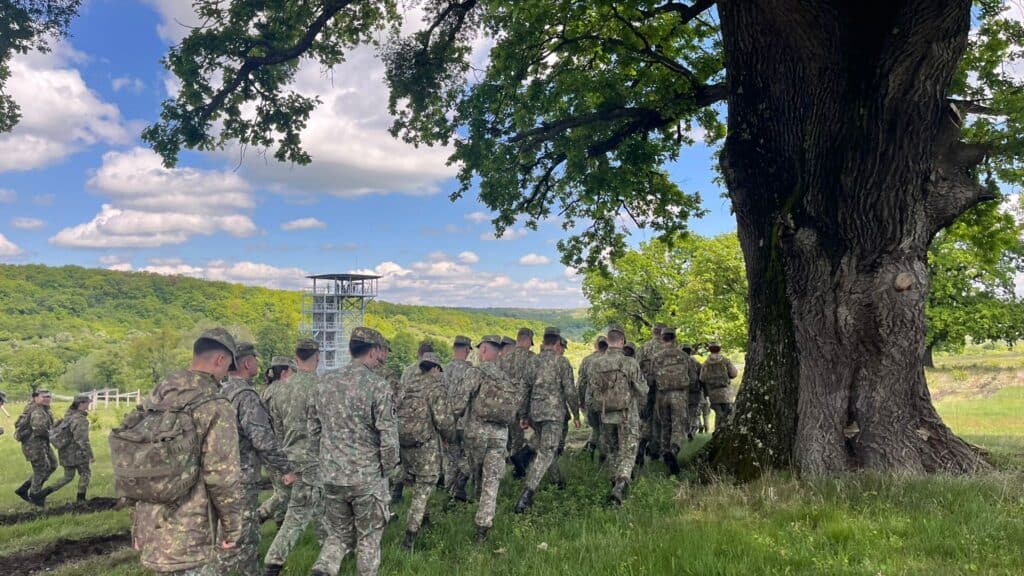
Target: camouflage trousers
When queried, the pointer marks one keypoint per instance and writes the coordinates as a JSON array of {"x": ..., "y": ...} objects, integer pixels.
[
  {"x": 672, "y": 419},
  {"x": 548, "y": 443},
  {"x": 422, "y": 488},
  {"x": 244, "y": 558},
  {"x": 354, "y": 514},
  {"x": 304, "y": 508},
  {"x": 621, "y": 431},
  {"x": 488, "y": 456},
  {"x": 43, "y": 462},
  {"x": 276, "y": 506},
  {"x": 594, "y": 421},
  {"x": 84, "y": 476},
  {"x": 453, "y": 460},
  {"x": 722, "y": 412}
]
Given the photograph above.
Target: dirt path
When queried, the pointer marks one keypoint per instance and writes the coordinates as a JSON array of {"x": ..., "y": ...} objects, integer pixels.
[
  {"x": 93, "y": 505},
  {"x": 61, "y": 552}
]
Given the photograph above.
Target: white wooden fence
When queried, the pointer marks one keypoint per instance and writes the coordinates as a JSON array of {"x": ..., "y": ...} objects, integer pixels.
[{"x": 107, "y": 396}]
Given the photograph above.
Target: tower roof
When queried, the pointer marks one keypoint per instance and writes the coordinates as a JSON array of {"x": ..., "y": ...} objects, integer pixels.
[{"x": 343, "y": 277}]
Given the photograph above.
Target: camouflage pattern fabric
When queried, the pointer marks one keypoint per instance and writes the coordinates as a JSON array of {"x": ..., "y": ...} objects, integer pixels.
[
  {"x": 593, "y": 416},
  {"x": 76, "y": 456},
  {"x": 453, "y": 382},
  {"x": 305, "y": 506},
  {"x": 36, "y": 448},
  {"x": 292, "y": 405},
  {"x": 389, "y": 376},
  {"x": 650, "y": 431},
  {"x": 521, "y": 366},
  {"x": 354, "y": 514},
  {"x": 673, "y": 420},
  {"x": 208, "y": 570},
  {"x": 695, "y": 395},
  {"x": 552, "y": 391},
  {"x": 486, "y": 444},
  {"x": 84, "y": 472},
  {"x": 705, "y": 413},
  {"x": 180, "y": 537},
  {"x": 422, "y": 464},
  {"x": 276, "y": 506},
  {"x": 716, "y": 374},
  {"x": 244, "y": 558},
  {"x": 256, "y": 439},
  {"x": 620, "y": 430},
  {"x": 548, "y": 441},
  {"x": 722, "y": 412}
]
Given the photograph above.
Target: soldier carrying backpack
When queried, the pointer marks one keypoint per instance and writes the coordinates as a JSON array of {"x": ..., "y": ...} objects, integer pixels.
[
  {"x": 671, "y": 367},
  {"x": 32, "y": 429},
  {"x": 71, "y": 439},
  {"x": 177, "y": 458},
  {"x": 715, "y": 375}
]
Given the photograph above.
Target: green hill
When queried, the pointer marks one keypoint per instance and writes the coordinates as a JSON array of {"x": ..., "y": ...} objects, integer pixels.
[{"x": 81, "y": 328}]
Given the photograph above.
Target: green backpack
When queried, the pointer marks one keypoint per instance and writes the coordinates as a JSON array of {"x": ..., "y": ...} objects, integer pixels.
[
  {"x": 60, "y": 435},
  {"x": 497, "y": 400},
  {"x": 673, "y": 372},
  {"x": 23, "y": 427},
  {"x": 609, "y": 388},
  {"x": 415, "y": 426},
  {"x": 715, "y": 373},
  {"x": 156, "y": 454}
]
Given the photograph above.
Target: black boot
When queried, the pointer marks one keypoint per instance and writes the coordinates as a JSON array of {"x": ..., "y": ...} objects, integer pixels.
[
  {"x": 81, "y": 498},
  {"x": 618, "y": 494},
  {"x": 39, "y": 498},
  {"x": 525, "y": 501},
  {"x": 459, "y": 490},
  {"x": 22, "y": 491},
  {"x": 519, "y": 463},
  {"x": 410, "y": 537},
  {"x": 481, "y": 534},
  {"x": 272, "y": 570},
  {"x": 396, "y": 492},
  {"x": 671, "y": 462}
]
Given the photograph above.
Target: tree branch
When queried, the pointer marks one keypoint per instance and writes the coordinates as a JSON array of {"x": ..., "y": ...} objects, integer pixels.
[{"x": 686, "y": 12}]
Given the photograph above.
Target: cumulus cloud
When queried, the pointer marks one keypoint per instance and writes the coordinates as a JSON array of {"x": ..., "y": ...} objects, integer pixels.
[
  {"x": 477, "y": 217},
  {"x": 8, "y": 248},
  {"x": 249, "y": 273},
  {"x": 60, "y": 113},
  {"x": 468, "y": 258},
  {"x": 303, "y": 224},
  {"x": 127, "y": 83},
  {"x": 533, "y": 259},
  {"x": 27, "y": 223},
  {"x": 44, "y": 199},
  {"x": 120, "y": 228},
  {"x": 510, "y": 234},
  {"x": 8, "y": 196}
]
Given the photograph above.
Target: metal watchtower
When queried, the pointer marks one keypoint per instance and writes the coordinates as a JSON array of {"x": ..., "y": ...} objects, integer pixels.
[{"x": 331, "y": 308}]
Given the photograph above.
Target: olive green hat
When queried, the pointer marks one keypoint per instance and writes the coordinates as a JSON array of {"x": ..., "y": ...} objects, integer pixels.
[
  {"x": 507, "y": 341},
  {"x": 602, "y": 339},
  {"x": 82, "y": 399},
  {"x": 525, "y": 333},
  {"x": 668, "y": 331},
  {"x": 284, "y": 361},
  {"x": 245, "y": 349},
  {"x": 431, "y": 360},
  {"x": 552, "y": 331},
  {"x": 714, "y": 344},
  {"x": 307, "y": 344},
  {"x": 463, "y": 341},
  {"x": 365, "y": 335},
  {"x": 491, "y": 339},
  {"x": 225, "y": 339}
]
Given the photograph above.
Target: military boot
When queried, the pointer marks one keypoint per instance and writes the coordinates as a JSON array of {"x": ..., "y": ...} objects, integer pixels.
[
  {"x": 272, "y": 570},
  {"x": 618, "y": 494},
  {"x": 481, "y": 534},
  {"x": 671, "y": 462},
  {"x": 81, "y": 497},
  {"x": 459, "y": 489},
  {"x": 410, "y": 537},
  {"x": 318, "y": 573},
  {"x": 396, "y": 492},
  {"x": 22, "y": 491},
  {"x": 39, "y": 498},
  {"x": 525, "y": 501}
]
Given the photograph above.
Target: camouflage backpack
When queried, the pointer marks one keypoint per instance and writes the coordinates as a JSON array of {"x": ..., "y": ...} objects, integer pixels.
[
  {"x": 60, "y": 435},
  {"x": 609, "y": 388},
  {"x": 672, "y": 371},
  {"x": 497, "y": 400},
  {"x": 156, "y": 454},
  {"x": 23, "y": 426},
  {"x": 715, "y": 373},
  {"x": 415, "y": 426}
]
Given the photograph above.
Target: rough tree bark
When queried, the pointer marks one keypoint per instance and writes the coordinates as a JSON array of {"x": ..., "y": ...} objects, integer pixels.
[{"x": 842, "y": 162}]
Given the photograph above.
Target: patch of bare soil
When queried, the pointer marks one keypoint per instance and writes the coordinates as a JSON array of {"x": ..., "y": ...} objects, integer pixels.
[
  {"x": 93, "y": 505},
  {"x": 61, "y": 552}
]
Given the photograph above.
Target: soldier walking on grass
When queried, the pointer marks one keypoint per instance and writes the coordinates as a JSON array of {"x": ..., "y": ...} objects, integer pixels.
[
  {"x": 716, "y": 375},
  {"x": 695, "y": 393},
  {"x": 71, "y": 438},
  {"x": 425, "y": 347},
  {"x": 282, "y": 368},
  {"x": 593, "y": 418},
  {"x": 257, "y": 443},
  {"x": 650, "y": 432},
  {"x": 671, "y": 366},
  {"x": 357, "y": 442},
  {"x": 454, "y": 384},
  {"x": 32, "y": 429},
  {"x": 547, "y": 399},
  {"x": 294, "y": 406},
  {"x": 520, "y": 363}
]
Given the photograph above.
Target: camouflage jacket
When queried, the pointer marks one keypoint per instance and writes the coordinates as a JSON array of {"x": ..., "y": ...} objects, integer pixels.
[
  {"x": 454, "y": 383},
  {"x": 431, "y": 403},
  {"x": 553, "y": 389},
  {"x": 389, "y": 376},
  {"x": 355, "y": 421},
  {"x": 409, "y": 371},
  {"x": 267, "y": 397},
  {"x": 584, "y": 378},
  {"x": 645, "y": 356},
  {"x": 670, "y": 356},
  {"x": 521, "y": 366},
  {"x": 615, "y": 359},
  {"x": 40, "y": 420},
  {"x": 475, "y": 427},
  {"x": 695, "y": 377},
  {"x": 724, "y": 393},
  {"x": 292, "y": 406},
  {"x": 256, "y": 439},
  {"x": 182, "y": 538},
  {"x": 80, "y": 450}
]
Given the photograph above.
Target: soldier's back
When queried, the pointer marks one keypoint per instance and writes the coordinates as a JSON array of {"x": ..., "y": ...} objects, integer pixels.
[{"x": 351, "y": 402}]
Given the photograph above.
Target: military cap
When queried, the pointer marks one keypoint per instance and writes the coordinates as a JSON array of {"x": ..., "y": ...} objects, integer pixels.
[
  {"x": 714, "y": 344},
  {"x": 244, "y": 349},
  {"x": 81, "y": 399},
  {"x": 616, "y": 328},
  {"x": 366, "y": 335},
  {"x": 307, "y": 344},
  {"x": 496, "y": 340},
  {"x": 629, "y": 346},
  {"x": 687, "y": 347},
  {"x": 284, "y": 361},
  {"x": 564, "y": 342},
  {"x": 552, "y": 331},
  {"x": 525, "y": 333},
  {"x": 41, "y": 392},
  {"x": 668, "y": 330},
  {"x": 602, "y": 339},
  {"x": 463, "y": 341},
  {"x": 507, "y": 341},
  {"x": 432, "y": 359},
  {"x": 225, "y": 339}
]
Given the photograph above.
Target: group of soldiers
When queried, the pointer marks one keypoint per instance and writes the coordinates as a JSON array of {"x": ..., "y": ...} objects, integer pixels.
[{"x": 341, "y": 447}]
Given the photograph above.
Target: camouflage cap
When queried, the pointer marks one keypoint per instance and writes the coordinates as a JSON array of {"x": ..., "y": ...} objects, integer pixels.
[
  {"x": 81, "y": 399},
  {"x": 525, "y": 333},
  {"x": 496, "y": 340},
  {"x": 687, "y": 347},
  {"x": 307, "y": 344},
  {"x": 244, "y": 349},
  {"x": 225, "y": 339},
  {"x": 668, "y": 331},
  {"x": 284, "y": 361},
  {"x": 366, "y": 335},
  {"x": 659, "y": 327},
  {"x": 432, "y": 360},
  {"x": 507, "y": 341},
  {"x": 552, "y": 331},
  {"x": 385, "y": 343},
  {"x": 616, "y": 328},
  {"x": 41, "y": 392},
  {"x": 463, "y": 341}
]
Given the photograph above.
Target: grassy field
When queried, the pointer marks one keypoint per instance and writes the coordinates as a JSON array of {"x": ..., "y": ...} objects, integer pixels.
[{"x": 856, "y": 525}]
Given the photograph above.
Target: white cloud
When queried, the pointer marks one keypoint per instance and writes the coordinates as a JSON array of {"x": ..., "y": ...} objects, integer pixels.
[
  {"x": 8, "y": 248},
  {"x": 44, "y": 199},
  {"x": 477, "y": 217},
  {"x": 571, "y": 273},
  {"x": 8, "y": 196},
  {"x": 303, "y": 224},
  {"x": 27, "y": 223},
  {"x": 118, "y": 228},
  {"x": 121, "y": 267},
  {"x": 533, "y": 259},
  {"x": 60, "y": 114},
  {"x": 249, "y": 273},
  {"x": 510, "y": 234},
  {"x": 468, "y": 257},
  {"x": 128, "y": 83}
]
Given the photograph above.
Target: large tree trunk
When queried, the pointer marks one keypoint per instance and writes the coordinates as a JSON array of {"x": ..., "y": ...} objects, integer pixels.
[{"x": 842, "y": 162}]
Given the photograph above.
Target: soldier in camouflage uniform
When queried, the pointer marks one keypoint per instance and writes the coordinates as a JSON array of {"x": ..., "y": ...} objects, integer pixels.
[
  {"x": 33, "y": 431},
  {"x": 282, "y": 368},
  {"x": 547, "y": 399},
  {"x": 358, "y": 448},
  {"x": 672, "y": 366},
  {"x": 398, "y": 486},
  {"x": 716, "y": 375},
  {"x": 256, "y": 443},
  {"x": 486, "y": 441},
  {"x": 593, "y": 418},
  {"x": 179, "y": 540},
  {"x": 520, "y": 363},
  {"x": 424, "y": 418},
  {"x": 77, "y": 456},
  {"x": 414, "y": 368},
  {"x": 454, "y": 386},
  {"x": 384, "y": 371},
  {"x": 508, "y": 345},
  {"x": 294, "y": 405},
  {"x": 650, "y": 433},
  {"x": 620, "y": 428},
  {"x": 695, "y": 395}
]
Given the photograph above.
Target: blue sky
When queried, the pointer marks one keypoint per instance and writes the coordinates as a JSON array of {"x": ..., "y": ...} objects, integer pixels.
[{"x": 77, "y": 186}]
